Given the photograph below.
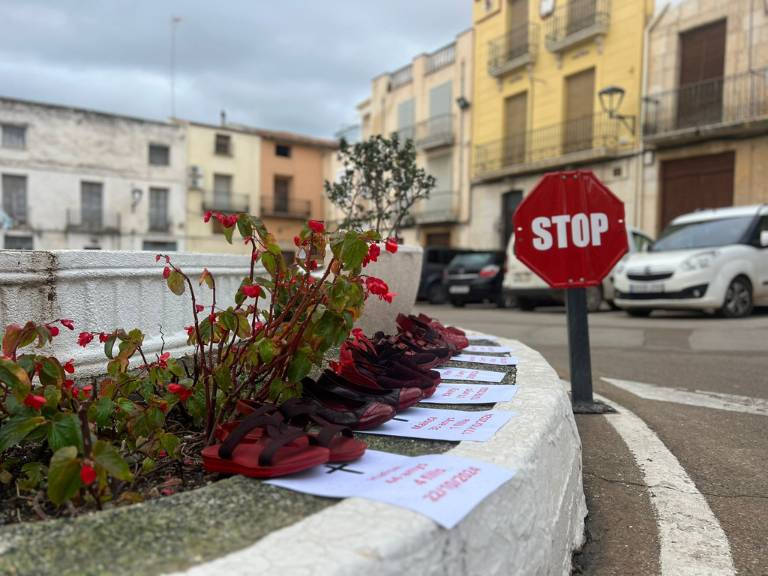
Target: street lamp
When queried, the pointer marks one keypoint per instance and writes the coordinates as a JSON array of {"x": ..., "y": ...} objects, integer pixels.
[{"x": 611, "y": 98}]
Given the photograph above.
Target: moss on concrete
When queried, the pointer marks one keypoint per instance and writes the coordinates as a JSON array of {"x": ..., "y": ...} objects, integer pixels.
[{"x": 181, "y": 530}]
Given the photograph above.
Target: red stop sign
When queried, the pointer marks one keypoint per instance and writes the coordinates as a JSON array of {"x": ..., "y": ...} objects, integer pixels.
[{"x": 570, "y": 230}]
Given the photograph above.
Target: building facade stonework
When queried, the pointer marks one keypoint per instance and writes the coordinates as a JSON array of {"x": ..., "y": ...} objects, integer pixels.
[{"x": 74, "y": 178}]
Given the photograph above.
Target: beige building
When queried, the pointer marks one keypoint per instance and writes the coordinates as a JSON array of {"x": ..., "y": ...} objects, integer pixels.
[
  {"x": 275, "y": 175},
  {"x": 429, "y": 100},
  {"x": 705, "y": 120}
]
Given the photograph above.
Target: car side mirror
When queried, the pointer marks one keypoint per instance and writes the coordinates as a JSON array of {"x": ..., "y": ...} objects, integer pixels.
[{"x": 764, "y": 238}]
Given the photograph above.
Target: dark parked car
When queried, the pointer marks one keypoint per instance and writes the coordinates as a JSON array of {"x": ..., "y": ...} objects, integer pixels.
[
  {"x": 476, "y": 277},
  {"x": 434, "y": 263}
]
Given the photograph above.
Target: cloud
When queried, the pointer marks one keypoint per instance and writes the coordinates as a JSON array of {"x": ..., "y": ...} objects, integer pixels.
[{"x": 294, "y": 64}]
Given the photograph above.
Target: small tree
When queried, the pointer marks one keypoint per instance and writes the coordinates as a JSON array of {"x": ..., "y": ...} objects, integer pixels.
[{"x": 379, "y": 184}]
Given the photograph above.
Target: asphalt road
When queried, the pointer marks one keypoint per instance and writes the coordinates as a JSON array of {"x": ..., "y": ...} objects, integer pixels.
[{"x": 707, "y": 402}]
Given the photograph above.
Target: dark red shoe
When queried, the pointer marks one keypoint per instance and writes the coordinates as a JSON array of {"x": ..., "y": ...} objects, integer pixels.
[
  {"x": 355, "y": 414},
  {"x": 381, "y": 377},
  {"x": 399, "y": 398}
]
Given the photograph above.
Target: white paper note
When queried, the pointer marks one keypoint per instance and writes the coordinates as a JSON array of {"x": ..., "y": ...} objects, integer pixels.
[
  {"x": 471, "y": 375},
  {"x": 471, "y": 394},
  {"x": 437, "y": 424},
  {"x": 478, "y": 359},
  {"x": 443, "y": 487},
  {"x": 475, "y": 349}
]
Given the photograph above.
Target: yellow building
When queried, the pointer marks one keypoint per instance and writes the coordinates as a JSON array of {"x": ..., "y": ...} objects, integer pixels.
[
  {"x": 275, "y": 175},
  {"x": 429, "y": 100},
  {"x": 541, "y": 72}
]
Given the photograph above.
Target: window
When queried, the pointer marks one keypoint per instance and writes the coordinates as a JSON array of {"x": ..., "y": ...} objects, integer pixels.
[
  {"x": 14, "y": 190},
  {"x": 703, "y": 234},
  {"x": 223, "y": 145},
  {"x": 641, "y": 241},
  {"x": 18, "y": 243},
  {"x": 282, "y": 197},
  {"x": 406, "y": 115},
  {"x": 222, "y": 192},
  {"x": 90, "y": 205},
  {"x": 155, "y": 246},
  {"x": 159, "y": 155},
  {"x": 283, "y": 150},
  {"x": 158, "y": 210},
  {"x": 14, "y": 136}
]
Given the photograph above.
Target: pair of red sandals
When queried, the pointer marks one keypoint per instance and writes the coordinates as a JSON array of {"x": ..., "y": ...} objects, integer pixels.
[{"x": 272, "y": 441}]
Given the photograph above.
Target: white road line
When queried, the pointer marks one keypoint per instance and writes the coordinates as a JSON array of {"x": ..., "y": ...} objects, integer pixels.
[
  {"x": 701, "y": 398},
  {"x": 692, "y": 541}
]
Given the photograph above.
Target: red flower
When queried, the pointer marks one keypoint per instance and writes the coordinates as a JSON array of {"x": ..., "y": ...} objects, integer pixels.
[
  {"x": 316, "y": 226},
  {"x": 373, "y": 252},
  {"x": 207, "y": 216},
  {"x": 297, "y": 240},
  {"x": 376, "y": 286},
  {"x": 68, "y": 323},
  {"x": 212, "y": 317},
  {"x": 87, "y": 474},
  {"x": 388, "y": 296},
  {"x": 84, "y": 339},
  {"x": 34, "y": 401},
  {"x": 190, "y": 331},
  {"x": 199, "y": 307},
  {"x": 54, "y": 330},
  {"x": 180, "y": 391},
  {"x": 162, "y": 360},
  {"x": 252, "y": 291},
  {"x": 69, "y": 367},
  {"x": 358, "y": 333},
  {"x": 313, "y": 264},
  {"x": 103, "y": 337},
  {"x": 85, "y": 392},
  {"x": 68, "y": 384},
  {"x": 391, "y": 245},
  {"x": 166, "y": 272}
]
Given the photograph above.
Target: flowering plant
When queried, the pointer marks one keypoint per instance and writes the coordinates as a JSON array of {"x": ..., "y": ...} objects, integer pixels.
[{"x": 96, "y": 439}]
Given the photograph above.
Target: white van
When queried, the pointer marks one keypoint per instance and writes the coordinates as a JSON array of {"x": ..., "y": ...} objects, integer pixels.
[
  {"x": 524, "y": 289},
  {"x": 712, "y": 260}
]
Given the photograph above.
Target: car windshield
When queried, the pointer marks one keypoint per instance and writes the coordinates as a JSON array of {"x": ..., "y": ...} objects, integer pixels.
[
  {"x": 476, "y": 260},
  {"x": 702, "y": 234}
]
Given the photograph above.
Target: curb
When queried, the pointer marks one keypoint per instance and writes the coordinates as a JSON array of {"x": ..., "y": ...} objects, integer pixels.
[{"x": 531, "y": 525}]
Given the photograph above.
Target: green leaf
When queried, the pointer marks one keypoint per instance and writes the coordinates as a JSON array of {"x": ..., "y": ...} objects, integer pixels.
[
  {"x": 14, "y": 376},
  {"x": 244, "y": 226},
  {"x": 222, "y": 378},
  {"x": 353, "y": 251},
  {"x": 299, "y": 367},
  {"x": 266, "y": 351},
  {"x": 16, "y": 429},
  {"x": 65, "y": 431},
  {"x": 109, "y": 344},
  {"x": 176, "y": 282},
  {"x": 126, "y": 405},
  {"x": 109, "y": 458},
  {"x": 170, "y": 444},
  {"x": 101, "y": 410},
  {"x": 228, "y": 232},
  {"x": 206, "y": 278},
  {"x": 229, "y": 320},
  {"x": 269, "y": 262},
  {"x": 51, "y": 372},
  {"x": 148, "y": 422},
  {"x": 63, "y": 475},
  {"x": 243, "y": 327}
]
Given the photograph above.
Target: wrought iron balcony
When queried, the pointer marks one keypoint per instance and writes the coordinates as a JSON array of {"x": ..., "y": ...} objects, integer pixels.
[
  {"x": 435, "y": 132},
  {"x": 577, "y": 21},
  {"x": 553, "y": 145},
  {"x": 439, "y": 208},
  {"x": 285, "y": 207},
  {"x": 226, "y": 202},
  {"x": 513, "y": 50},
  {"x": 93, "y": 221},
  {"x": 159, "y": 224},
  {"x": 716, "y": 106}
]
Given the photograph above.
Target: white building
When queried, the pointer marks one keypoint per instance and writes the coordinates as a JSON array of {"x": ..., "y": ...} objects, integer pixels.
[{"x": 74, "y": 178}]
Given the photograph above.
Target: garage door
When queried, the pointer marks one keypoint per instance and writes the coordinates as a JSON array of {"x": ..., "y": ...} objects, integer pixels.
[{"x": 695, "y": 183}]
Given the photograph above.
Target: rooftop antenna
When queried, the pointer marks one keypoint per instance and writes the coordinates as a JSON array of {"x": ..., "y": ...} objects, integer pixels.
[{"x": 175, "y": 20}]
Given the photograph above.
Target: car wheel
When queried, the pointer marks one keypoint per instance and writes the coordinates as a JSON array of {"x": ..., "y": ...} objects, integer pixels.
[
  {"x": 525, "y": 304},
  {"x": 458, "y": 303},
  {"x": 436, "y": 294},
  {"x": 504, "y": 300},
  {"x": 594, "y": 298},
  {"x": 738, "y": 299},
  {"x": 639, "y": 312}
]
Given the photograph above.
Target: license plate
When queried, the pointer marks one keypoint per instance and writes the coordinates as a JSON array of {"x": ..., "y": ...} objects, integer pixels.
[
  {"x": 652, "y": 287},
  {"x": 458, "y": 289},
  {"x": 522, "y": 277}
]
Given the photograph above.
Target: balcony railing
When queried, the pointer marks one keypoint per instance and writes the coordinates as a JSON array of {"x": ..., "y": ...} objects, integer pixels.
[
  {"x": 401, "y": 77},
  {"x": 226, "y": 203},
  {"x": 441, "y": 58},
  {"x": 513, "y": 50},
  {"x": 549, "y": 145},
  {"x": 577, "y": 21},
  {"x": 439, "y": 208},
  {"x": 93, "y": 221},
  {"x": 285, "y": 208},
  {"x": 159, "y": 224},
  {"x": 435, "y": 132},
  {"x": 719, "y": 103}
]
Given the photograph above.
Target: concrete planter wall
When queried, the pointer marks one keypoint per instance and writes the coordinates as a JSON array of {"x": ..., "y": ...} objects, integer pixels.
[
  {"x": 102, "y": 291},
  {"x": 402, "y": 272}
]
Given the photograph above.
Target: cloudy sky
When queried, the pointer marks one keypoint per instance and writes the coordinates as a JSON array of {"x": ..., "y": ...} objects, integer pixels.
[{"x": 297, "y": 65}]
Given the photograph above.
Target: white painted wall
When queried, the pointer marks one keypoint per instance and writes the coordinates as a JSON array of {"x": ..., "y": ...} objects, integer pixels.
[{"x": 66, "y": 146}]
